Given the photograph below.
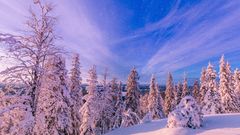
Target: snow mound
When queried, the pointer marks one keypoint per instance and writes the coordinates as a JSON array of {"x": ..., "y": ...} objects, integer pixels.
[{"x": 218, "y": 124}]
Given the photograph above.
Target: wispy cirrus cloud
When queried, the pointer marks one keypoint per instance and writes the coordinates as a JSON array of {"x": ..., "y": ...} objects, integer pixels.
[{"x": 197, "y": 33}]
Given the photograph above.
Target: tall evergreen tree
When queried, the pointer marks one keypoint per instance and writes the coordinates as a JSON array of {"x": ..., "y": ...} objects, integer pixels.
[
  {"x": 53, "y": 114},
  {"x": 196, "y": 91},
  {"x": 211, "y": 102},
  {"x": 119, "y": 108},
  {"x": 185, "y": 91},
  {"x": 179, "y": 92},
  {"x": 228, "y": 97},
  {"x": 169, "y": 97},
  {"x": 76, "y": 92},
  {"x": 154, "y": 106},
  {"x": 90, "y": 112},
  {"x": 203, "y": 86},
  {"x": 133, "y": 94}
]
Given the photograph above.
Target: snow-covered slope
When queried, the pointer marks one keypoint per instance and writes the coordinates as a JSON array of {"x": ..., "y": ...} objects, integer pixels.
[{"x": 223, "y": 124}]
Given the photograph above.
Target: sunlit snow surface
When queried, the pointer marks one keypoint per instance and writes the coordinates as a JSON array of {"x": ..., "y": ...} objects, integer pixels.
[{"x": 222, "y": 124}]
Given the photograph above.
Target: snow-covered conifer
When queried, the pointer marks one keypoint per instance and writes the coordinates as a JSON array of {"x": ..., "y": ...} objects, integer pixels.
[
  {"x": 133, "y": 93},
  {"x": 15, "y": 112},
  {"x": 53, "y": 115},
  {"x": 211, "y": 101},
  {"x": 144, "y": 105},
  {"x": 179, "y": 93},
  {"x": 203, "y": 86},
  {"x": 185, "y": 91},
  {"x": 228, "y": 97},
  {"x": 237, "y": 84},
  {"x": 130, "y": 118},
  {"x": 186, "y": 114},
  {"x": 91, "y": 110},
  {"x": 119, "y": 108},
  {"x": 169, "y": 97},
  {"x": 76, "y": 92},
  {"x": 196, "y": 91},
  {"x": 154, "y": 105}
]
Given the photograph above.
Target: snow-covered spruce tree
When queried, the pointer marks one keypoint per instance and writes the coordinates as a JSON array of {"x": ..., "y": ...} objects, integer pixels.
[
  {"x": 185, "y": 91},
  {"x": 119, "y": 108},
  {"x": 31, "y": 49},
  {"x": 154, "y": 106},
  {"x": 175, "y": 94},
  {"x": 160, "y": 102},
  {"x": 228, "y": 97},
  {"x": 133, "y": 93},
  {"x": 144, "y": 105},
  {"x": 237, "y": 84},
  {"x": 179, "y": 93},
  {"x": 169, "y": 97},
  {"x": 91, "y": 110},
  {"x": 196, "y": 91},
  {"x": 53, "y": 115},
  {"x": 76, "y": 92},
  {"x": 186, "y": 114},
  {"x": 129, "y": 118},
  {"x": 107, "y": 94},
  {"x": 211, "y": 101},
  {"x": 15, "y": 112},
  {"x": 203, "y": 86}
]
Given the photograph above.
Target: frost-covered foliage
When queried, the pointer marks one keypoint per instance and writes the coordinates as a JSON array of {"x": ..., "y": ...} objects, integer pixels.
[
  {"x": 119, "y": 108},
  {"x": 91, "y": 110},
  {"x": 133, "y": 94},
  {"x": 15, "y": 112},
  {"x": 178, "y": 96},
  {"x": 169, "y": 97},
  {"x": 154, "y": 105},
  {"x": 30, "y": 50},
  {"x": 185, "y": 90},
  {"x": 144, "y": 104},
  {"x": 147, "y": 118},
  {"x": 211, "y": 101},
  {"x": 53, "y": 115},
  {"x": 196, "y": 94},
  {"x": 203, "y": 86},
  {"x": 130, "y": 118},
  {"x": 76, "y": 92},
  {"x": 237, "y": 84},
  {"x": 186, "y": 114},
  {"x": 228, "y": 97}
]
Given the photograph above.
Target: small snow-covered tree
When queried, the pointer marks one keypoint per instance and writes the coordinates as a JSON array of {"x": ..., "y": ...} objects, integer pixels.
[
  {"x": 133, "y": 93},
  {"x": 169, "y": 97},
  {"x": 154, "y": 105},
  {"x": 228, "y": 97},
  {"x": 211, "y": 101},
  {"x": 185, "y": 91},
  {"x": 76, "y": 92},
  {"x": 15, "y": 112},
  {"x": 53, "y": 115},
  {"x": 196, "y": 91},
  {"x": 203, "y": 86},
  {"x": 130, "y": 118},
  {"x": 186, "y": 114}
]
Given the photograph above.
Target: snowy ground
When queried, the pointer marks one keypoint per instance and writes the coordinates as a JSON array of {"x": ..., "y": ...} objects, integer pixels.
[{"x": 224, "y": 124}]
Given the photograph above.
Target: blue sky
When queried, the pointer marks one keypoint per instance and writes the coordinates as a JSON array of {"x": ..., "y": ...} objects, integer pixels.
[{"x": 155, "y": 36}]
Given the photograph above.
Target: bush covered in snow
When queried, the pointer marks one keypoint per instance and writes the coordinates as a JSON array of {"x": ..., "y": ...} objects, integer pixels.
[
  {"x": 147, "y": 118},
  {"x": 186, "y": 114}
]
